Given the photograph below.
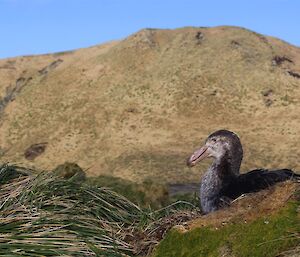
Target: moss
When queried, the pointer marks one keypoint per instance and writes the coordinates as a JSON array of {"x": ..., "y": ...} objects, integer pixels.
[{"x": 266, "y": 236}]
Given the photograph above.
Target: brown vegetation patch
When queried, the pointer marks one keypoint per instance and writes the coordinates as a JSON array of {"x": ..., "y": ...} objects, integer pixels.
[
  {"x": 199, "y": 37},
  {"x": 268, "y": 97},
  {"x": 35, "y": 150},
  {"x": 50, "y": 67},
  {"x": 145, "y": 240},
  {"x": 294, "y": 74},
  {"x": 278, "y": 60},
  {"x": 13, "y": 91},
  {"x": 68, "y": 170}
]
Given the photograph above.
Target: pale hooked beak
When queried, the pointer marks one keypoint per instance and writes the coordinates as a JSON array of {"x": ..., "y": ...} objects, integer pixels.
[{"x": 197, "y": 156}]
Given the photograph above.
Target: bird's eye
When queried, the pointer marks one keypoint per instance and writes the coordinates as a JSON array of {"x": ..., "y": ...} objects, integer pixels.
[{"x": 214, "y": 140}]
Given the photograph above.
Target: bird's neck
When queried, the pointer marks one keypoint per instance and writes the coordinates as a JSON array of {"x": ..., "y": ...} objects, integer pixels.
[
  {"x": 219, "y": 175},
  {"x": 225, "y": 167}
]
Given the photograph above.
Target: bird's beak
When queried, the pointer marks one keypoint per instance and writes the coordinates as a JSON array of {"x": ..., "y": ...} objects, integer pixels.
[{"x": 197, "y": 156}]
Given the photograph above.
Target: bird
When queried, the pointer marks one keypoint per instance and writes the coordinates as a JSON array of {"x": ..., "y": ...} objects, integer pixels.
[{"x": 222, "y": 182}]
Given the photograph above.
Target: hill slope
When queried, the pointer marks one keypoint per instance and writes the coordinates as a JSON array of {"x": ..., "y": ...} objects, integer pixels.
[{"x": 136, "y": 108}]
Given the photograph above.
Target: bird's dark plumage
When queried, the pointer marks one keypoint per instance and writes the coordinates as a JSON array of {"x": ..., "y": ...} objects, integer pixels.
[
  {"x": 257, "y": 180},
  {"x": 223, "y": 179}
]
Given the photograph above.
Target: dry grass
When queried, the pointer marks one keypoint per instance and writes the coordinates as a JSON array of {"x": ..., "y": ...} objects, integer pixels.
[
  {"x": 48, "y": 216},
  {"x": 136, "y": 108}
]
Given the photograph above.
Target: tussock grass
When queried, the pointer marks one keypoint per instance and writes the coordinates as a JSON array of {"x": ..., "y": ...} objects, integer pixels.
[{"x": 48, "y": 216}]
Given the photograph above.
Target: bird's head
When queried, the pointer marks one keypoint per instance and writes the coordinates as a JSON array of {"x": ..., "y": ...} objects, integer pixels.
[{"x": 220, "y": 144}]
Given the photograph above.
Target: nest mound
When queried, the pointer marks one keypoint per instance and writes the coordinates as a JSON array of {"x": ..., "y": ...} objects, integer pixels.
[{"x": 250, "y": 206}]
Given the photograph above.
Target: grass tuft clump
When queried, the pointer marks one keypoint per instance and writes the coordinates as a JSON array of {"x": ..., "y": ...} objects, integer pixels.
[
  {"x": 68, "y": 170},
  {"x": 49, "y": 215},
  {"x": 45, "y": 215}
]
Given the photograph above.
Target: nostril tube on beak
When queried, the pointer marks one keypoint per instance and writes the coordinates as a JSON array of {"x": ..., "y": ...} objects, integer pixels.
[
  {"x": 189, "y": 163},
  {"x": 197, "y": 156}
]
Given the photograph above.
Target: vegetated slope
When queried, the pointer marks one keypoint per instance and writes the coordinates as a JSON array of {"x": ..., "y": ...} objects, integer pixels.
[
  {"x": 265, "y": 223},
  {"x": 136, "y": 108}
]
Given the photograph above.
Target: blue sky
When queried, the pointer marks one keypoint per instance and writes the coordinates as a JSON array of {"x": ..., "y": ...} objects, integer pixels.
[{"x": 42, "y": 26}]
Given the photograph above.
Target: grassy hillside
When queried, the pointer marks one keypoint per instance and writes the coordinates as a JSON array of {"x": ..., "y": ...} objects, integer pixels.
[{"x": 136, "y": 108}]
